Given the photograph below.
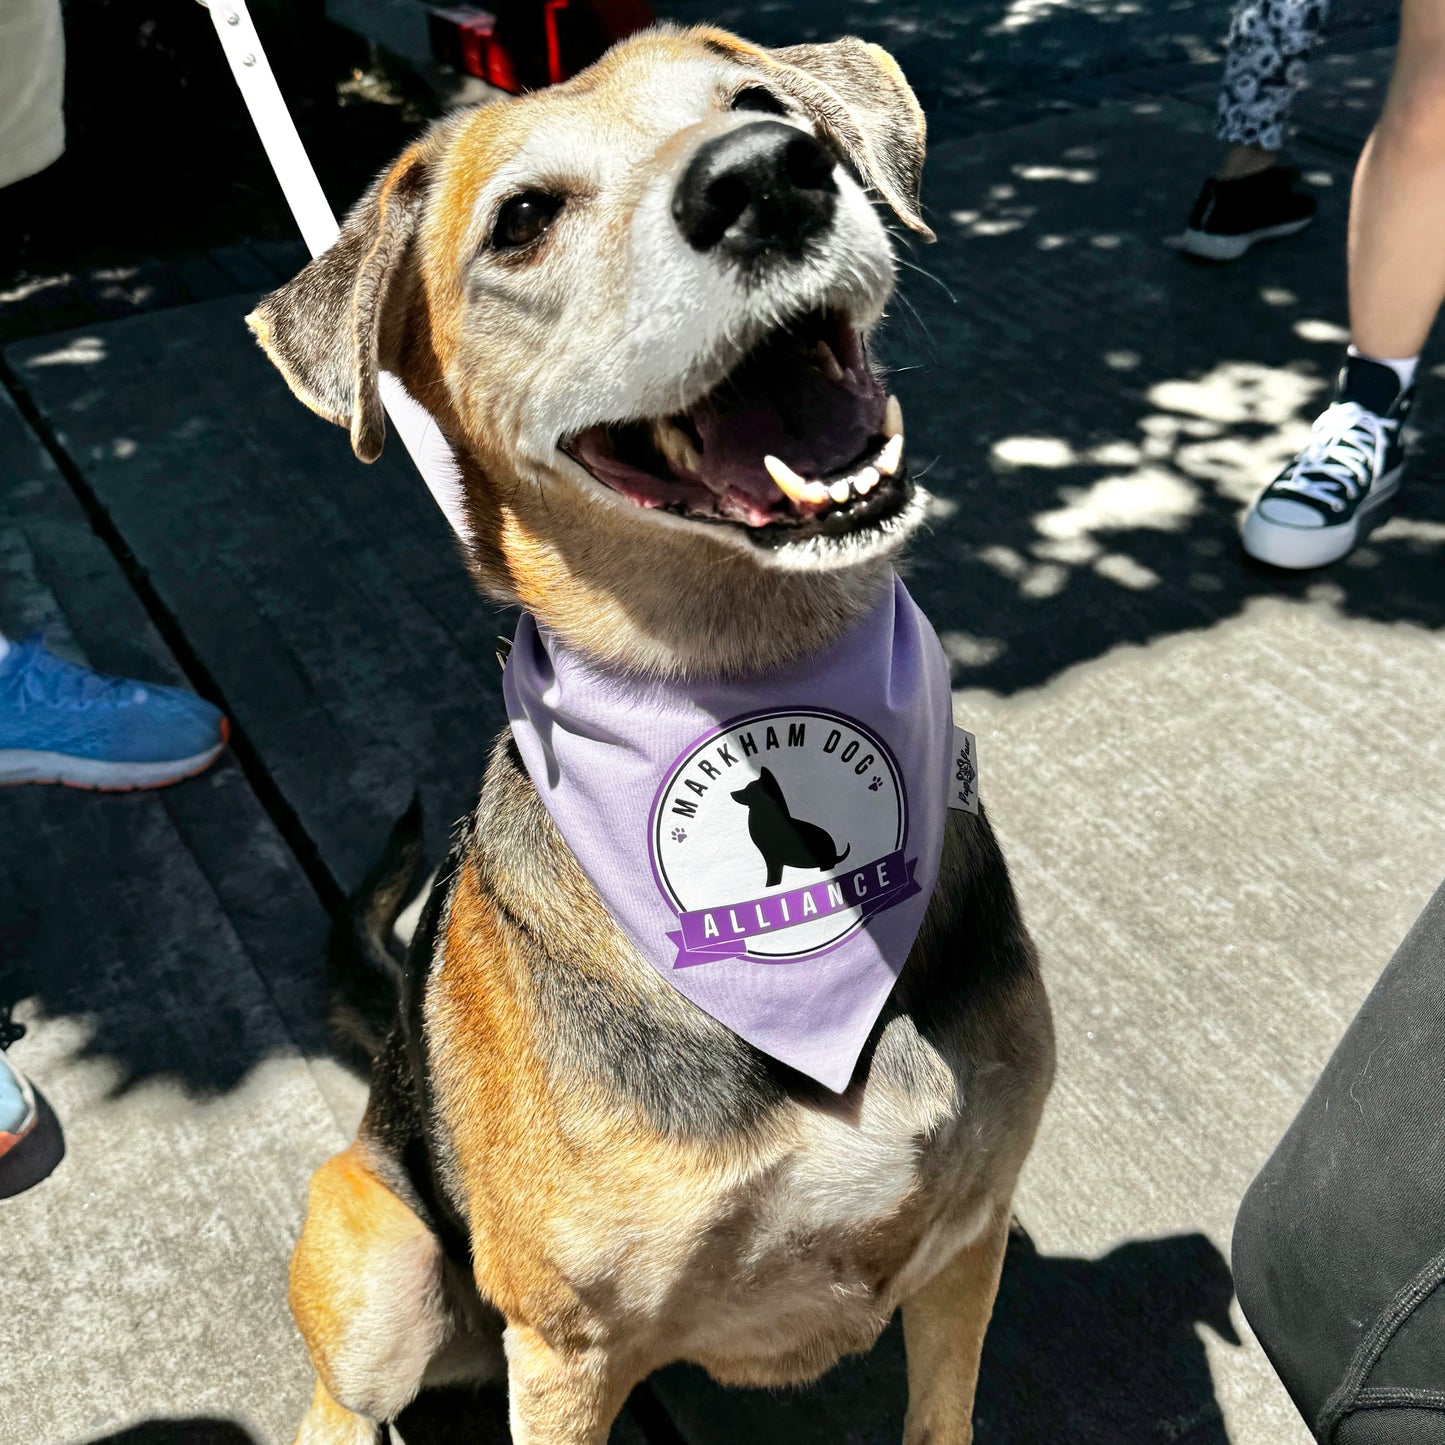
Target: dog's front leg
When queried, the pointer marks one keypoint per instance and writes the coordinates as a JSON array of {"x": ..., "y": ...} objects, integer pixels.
[
  {"x": 328, "y": 1423},
  {"x": 943, "y": 1329},
  {"x": 560, "y": 1398}
]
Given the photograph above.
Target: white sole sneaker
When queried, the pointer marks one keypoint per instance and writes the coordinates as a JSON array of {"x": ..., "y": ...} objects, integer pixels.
[
  {"x": 1299, "y": 548},
  {"x": 20, "y": 765},
  {"x": 1209, "y": 247}
]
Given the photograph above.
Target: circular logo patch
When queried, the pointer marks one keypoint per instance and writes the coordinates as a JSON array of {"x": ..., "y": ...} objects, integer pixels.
[{"x": 778, "y": 835}]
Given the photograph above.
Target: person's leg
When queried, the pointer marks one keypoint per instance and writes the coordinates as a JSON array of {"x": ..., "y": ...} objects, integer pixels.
[
  {"x": 63, "y": 723},
  {"x": 1264, "y": 69},
  {"x": 1250, "y": 197},
  {"x": 1397, "y": 211},
  {"x": 1326, "y": 500},
  {"x": 1339, "y": 1246}
]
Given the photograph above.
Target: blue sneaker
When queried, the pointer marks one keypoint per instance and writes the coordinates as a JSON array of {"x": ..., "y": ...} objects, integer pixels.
[
  {"x": 61, "y": 723},
  {"x": 17, "y": 1106}
]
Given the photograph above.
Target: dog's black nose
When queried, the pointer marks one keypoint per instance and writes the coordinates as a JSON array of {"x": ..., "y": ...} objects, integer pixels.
[{"x": 762, "y": 187}]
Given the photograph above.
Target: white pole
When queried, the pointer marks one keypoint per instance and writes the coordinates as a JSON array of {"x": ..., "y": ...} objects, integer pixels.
[{"x": 419, "y": 433}]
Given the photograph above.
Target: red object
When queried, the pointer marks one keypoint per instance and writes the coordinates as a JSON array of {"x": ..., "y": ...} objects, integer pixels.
[
  {"x": 554, "y": 48},
  {"x": 527, "y": 44},
  {"x": 465, "y": 38}
]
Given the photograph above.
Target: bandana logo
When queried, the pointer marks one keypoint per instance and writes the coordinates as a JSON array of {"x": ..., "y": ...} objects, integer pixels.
[{"x": 778, "y": 835}]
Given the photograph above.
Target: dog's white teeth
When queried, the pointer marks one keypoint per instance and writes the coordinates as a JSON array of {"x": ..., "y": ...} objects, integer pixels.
[
  {"x": 890, "y": 456},
  {"x": 790, "y": 484},
  {"x": 816, "y": 494},
  {"x": 828, "y": 362},
  {"x": 893, "y": 419},
  {"x": 675, "y": 447}
]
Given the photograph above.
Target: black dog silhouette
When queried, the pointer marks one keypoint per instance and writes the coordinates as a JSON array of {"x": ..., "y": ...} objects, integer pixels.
[{"x": 782, "y": 839}]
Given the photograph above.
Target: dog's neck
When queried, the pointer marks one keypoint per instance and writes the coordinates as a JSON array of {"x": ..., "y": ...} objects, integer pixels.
[{"x": 709, "y": 613}]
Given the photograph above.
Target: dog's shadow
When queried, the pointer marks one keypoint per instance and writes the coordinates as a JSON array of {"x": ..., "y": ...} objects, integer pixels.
[{"x": 1093, "y": 1351}]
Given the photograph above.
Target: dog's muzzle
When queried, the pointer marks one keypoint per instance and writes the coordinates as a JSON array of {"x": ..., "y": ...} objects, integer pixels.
[{"x": 799, "y": 440}]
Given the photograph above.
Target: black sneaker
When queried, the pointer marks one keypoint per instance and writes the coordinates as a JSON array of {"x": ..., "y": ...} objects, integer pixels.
[
  {"x": 1326, "y": 500},
  {"x": 1231, "y": 216}
]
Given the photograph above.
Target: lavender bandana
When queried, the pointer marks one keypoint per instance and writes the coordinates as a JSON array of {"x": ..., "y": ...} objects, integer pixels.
[{"x": 769, "y": 847}]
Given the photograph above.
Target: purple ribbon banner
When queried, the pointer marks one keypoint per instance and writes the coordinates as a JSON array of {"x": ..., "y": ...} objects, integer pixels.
[{"x": 710, "y": 934}]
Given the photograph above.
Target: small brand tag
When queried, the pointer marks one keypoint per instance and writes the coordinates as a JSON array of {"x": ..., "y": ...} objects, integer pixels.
[{"x": 963, "y": 782}]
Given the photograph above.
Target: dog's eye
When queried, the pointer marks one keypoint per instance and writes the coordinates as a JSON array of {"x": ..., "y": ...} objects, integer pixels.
[
  {"x": 523, "y": 219},
  {"x": 759, "y": 97}
]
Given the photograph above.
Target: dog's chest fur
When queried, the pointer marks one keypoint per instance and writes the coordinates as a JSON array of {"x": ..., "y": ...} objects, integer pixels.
[{"x": 616, "y": 1153}]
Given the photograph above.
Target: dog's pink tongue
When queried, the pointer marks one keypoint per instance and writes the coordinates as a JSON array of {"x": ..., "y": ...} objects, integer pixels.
[
  {"x": 815, "y": 425},
  {"x": 593, "y": 448}
]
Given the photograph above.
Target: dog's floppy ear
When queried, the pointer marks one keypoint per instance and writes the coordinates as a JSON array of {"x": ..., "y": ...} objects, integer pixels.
[
  {"x": 770, "y": 785},
  {"x": 857, "y": 94},
  {"x": 323, "y": 328}
]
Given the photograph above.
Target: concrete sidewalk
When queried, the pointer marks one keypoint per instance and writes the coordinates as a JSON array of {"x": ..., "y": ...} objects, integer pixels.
[{"x": 1218, "y": 788}]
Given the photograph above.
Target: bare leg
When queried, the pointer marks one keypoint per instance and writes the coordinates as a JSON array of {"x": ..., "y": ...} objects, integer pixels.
[
  {"x": 1397, "y": 211},
  {"x": 943, "y": 1329}
]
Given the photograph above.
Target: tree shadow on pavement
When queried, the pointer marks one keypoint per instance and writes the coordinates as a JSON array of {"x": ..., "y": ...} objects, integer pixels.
[
  {"x": 963, "y": 60},
  {"x": 1092, "y": 412}
]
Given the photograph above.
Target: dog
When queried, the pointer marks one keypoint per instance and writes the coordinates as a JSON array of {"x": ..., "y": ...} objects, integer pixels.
[
  {"x": 783, "y": 840},
  {"x": 616, "y": 297}
]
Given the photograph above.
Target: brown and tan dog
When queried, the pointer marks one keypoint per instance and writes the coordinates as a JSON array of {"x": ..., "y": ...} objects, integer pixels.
[{"x": 566, "y": 1171}]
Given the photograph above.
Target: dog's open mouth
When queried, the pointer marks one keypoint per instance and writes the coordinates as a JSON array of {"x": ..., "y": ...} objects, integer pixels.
[{"x": 800, "y": 440}]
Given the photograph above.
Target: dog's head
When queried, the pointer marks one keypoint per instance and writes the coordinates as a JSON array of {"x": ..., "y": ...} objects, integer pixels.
[
  {"x": 763, "y": 789},
  {"x": 637, "y": 305}
]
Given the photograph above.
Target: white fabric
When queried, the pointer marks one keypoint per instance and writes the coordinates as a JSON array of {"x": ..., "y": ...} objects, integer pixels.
[
  {"x": 1346, "y": 453},
  {"x": 32, "y": 84},
  {"x": 1402, "y": 366}
]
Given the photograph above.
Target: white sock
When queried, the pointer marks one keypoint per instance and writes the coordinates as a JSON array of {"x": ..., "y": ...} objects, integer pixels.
[{"x": 1402, "y": 366}]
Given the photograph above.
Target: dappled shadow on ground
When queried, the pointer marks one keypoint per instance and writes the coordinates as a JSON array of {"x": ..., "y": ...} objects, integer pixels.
[
  {"x": 956, "y": 56},
  {"x": 958, "y": 53},
  {"x": 1092, "y": 411}
]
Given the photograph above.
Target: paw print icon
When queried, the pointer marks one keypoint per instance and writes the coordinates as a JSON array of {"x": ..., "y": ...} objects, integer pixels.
[
  {"x": 875, "y": 785},
  {"x": 678, "y": 834}
]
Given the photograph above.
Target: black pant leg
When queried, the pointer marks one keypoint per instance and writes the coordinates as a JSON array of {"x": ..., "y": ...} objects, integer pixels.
[{"x": 1339, "y": 1246}]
